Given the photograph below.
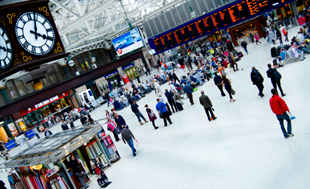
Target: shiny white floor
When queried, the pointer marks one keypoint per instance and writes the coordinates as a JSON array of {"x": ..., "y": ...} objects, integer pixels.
[{"x": 243, "y": 148}]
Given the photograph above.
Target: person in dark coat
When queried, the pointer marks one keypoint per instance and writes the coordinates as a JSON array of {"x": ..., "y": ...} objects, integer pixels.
[
  {"x": 151, "y": 115},
  {"x": 47, "y": 132},
  {"x": 229, "y": 45},
  {"x": 271, "y": 75},
  {"x": 119, "y": 120},
  {"x": 75, "y": 166},
  {"x": 244, "y": 45},
  {"x": 257, "y": 80},
  {"x": 171, "y": 101},
  {"x": 207, "y": 104},
  {"x": 228, "y": 88},
  {"x": 175, "y": 77},
  {"x": 189, "y": 92},
  {"x": 218, "y": 83},
  {"x": 64, "y": 125}
]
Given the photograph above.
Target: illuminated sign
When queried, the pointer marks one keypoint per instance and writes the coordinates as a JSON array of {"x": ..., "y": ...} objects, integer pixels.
[
  {"x": 216, "y": 21},
  {"x": 192, "y": 30},
  {"x": 208, "y": 24},
  {"x": 177, "y": 35},
  {"x": 233, "y": 12},
  {"x": 158, "y": 45},
  {"x": 185, "y": 33},
  {"x": 171, "y": 39},
  {"x": 201, "y": 30},
  {"x": 225, "y": 17},
  {"x": 263, "y": 4},
  {"x": 46, "y": 102},
  {"x": 252, "y": 5},
  {"x": 164, "y": 41}
]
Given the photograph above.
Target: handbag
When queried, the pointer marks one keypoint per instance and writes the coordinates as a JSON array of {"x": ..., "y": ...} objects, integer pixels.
[
  {"x": 291, "y": 116},
  {"x": 233, "y": 92},
  {"x": 118, "y": 131}
]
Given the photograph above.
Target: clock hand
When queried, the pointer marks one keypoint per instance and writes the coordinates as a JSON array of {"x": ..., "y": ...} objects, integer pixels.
[
  {"x": 35, "y": 26},
  {"x": 38, "y": 34},
  {"x": 3, "y": 48}
]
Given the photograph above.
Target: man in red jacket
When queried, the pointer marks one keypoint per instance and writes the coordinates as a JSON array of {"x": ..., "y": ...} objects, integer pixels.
[{"x": 279, "y": 107}]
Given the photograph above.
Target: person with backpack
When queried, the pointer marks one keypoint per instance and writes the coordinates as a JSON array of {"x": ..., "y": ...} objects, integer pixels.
[
  {"x": 275, "y": 77},
  {"x": 257, "y": 80},
  {"x": 244, "y": 45}
]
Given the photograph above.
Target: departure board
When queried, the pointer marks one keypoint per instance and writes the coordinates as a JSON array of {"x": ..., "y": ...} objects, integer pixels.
[
  {"x": 185, "y": 33},
  {"x": 208, "y": 24},
  {"x": 216, "y": 20},
  {"x": 158, "y": 45},
  {"x": 225, "y": 17},
  {"x": 243, "y": 9},
  {"x": 252, "y": 6},
  {"x": 164, "y": 41},
  {"x": 171, "y": 40},
  {"x": 192, "y": 30},
  {"x": 263, "y": 4},
  {"x": 177, "y": 35},
  {"x": 200, "y": 28},
  {"x": 233, "y": 12}
]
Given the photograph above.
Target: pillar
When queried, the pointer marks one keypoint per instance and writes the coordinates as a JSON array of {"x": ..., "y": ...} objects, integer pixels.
[
  {"x": 233, "y": 38},
  {"x": 66, "y": 70},
  {"x": 295, "y": 12},
  {"x": 4, "y": 93},
  {"x": 259, "y": 28}
]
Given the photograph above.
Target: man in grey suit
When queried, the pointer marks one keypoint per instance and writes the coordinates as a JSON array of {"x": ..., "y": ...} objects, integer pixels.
[{"x": 207, "y": 104}]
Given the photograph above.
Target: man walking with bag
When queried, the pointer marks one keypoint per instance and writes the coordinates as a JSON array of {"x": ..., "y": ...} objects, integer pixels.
[
  {"x": 257, "y": 80},
  {"x": 275, "y": 77},
  {"x": 189, "y": 92},
  {"x": 207, "y": 104},
  {"x": 134, "y": 109},
  {"x": 163, "y": 112},
  {"x": 279, "y": 107},
  {"x": 128, "y": 137},
  {"x": 218, "y": 82}
]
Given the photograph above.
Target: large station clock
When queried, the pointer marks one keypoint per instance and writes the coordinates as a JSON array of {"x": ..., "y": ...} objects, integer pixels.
[
  {"x": 35, "y": 33},
  {"x": 6, "y": 52}
]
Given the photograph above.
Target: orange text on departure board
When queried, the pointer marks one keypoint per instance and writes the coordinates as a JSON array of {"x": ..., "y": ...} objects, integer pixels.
[
  {"x": 163, "y": 41},
  {"x": 177, "y": 37},
  {"x": 183, "y": 30},
  {"x": 170, "y": 38},
  {"x": 222, "y": 15},
  {"x": 233, "y": 13},
  {"x": 157, "y": 43},
  {"x": 199, "y": 27},
  {"x": 263, "y": 3},
  {"x": 252, "y": 6},
  {"x": 240, "y": 8},
  {"x": 216, "y": 24}
]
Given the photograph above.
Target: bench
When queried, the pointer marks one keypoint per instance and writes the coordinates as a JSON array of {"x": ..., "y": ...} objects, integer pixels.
[{"x": 289, "y": 56}]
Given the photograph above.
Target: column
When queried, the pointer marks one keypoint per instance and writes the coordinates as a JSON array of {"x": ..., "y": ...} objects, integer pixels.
[
  {"x": 295, "y": 12},
  {"x": 4, "y": 93},
  {"x": 66, "y": 70},
  {"x": 259, "y": 28}
]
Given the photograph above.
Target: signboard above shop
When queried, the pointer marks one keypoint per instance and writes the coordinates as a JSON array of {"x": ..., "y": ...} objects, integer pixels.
[{"x": 127, "y": 42}]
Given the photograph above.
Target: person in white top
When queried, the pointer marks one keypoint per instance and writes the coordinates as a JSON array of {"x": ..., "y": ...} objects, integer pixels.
[
  {"x": 172, "y": 88},
  {"x": 297, "y": 53},
  {"x": 157, "y": 88}
]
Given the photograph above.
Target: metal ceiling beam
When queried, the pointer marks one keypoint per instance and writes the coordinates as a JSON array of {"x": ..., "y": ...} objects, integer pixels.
[
  {"x": 64, "y": 8},
  {"x": 86, "y": 17}
]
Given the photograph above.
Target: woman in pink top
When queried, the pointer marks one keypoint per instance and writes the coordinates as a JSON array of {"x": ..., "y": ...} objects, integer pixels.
[
  {"x": 113, "y": 127},
  {"x": 257, "y": 38}
]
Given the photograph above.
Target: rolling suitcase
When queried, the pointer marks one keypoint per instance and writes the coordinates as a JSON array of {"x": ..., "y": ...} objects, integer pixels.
[
  {"x": 286, "y": 47},
  {"x": 179, "y": 106},
  {"x": 273, "y": 51}
]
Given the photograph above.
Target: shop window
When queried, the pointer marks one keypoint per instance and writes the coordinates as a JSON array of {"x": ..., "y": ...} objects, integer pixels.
[
  {"x": 80, "y": 60},
  {"x": 20, "y": 87},
  {"x": 53, "y": 78},
  {"x": 47, "y": 82},
  {"x": 29, "y": 87},
  {"x": 11, "y": 90},
  {"x": 86, "y": 61}
]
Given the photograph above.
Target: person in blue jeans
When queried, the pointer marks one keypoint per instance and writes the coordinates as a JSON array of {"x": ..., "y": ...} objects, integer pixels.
[
  {"x": 134, "y": 108},
  {"x": 128, "y": 137},
  {"x": 162, "y": 109}
]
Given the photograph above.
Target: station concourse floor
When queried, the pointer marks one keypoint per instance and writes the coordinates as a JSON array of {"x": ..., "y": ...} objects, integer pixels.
[{"x": 243, "y": 149}]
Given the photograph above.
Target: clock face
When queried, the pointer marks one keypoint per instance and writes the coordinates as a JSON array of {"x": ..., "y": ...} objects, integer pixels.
[
  {"x": 6, "y": 52},
  {"x": 35, "y": 33}
]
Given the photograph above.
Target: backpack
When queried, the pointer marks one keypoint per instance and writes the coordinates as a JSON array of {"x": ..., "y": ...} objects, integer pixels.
[{"x": 276, "y": 75}]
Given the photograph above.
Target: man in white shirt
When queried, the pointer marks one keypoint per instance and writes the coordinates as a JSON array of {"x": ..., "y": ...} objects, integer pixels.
[
  {"x": 157, "y": 88},
  {"x": 172, "y": 88}
]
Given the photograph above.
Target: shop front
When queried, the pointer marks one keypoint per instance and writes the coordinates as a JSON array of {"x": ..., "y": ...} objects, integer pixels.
[
  {"x": 113, "y": 80},
  {"x": 46, "y": 113},
  {"x": 8, "y": 129},
  {"x": 130, "y": 70}
]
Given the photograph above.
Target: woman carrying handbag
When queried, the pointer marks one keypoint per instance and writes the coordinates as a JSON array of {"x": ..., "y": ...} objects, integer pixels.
[
  {"x": 151, "y": 115},
  {"x": 227, "y": 85},
  {"x": 113, "y": 128}
]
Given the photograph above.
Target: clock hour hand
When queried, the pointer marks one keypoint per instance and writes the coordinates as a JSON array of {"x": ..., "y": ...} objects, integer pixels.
[
  {"x": 3, "y": 48},
  {"x": 38, "y": 34}
]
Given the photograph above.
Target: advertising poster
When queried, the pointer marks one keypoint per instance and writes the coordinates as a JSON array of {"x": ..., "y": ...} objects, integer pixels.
[
  {"x": 127, "y": 42},
  {"x": 13, "y": 129}
]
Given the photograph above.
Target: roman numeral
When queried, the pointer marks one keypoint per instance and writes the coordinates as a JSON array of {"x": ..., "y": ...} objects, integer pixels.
[
  {"x": 7, "y": 41},
  {"x": 21, "y": 19},
  {"x": 50, "y": 38},
  {"x": 29, "y": 16},
  {"x": 49, "y": 29},
  {"x": 47, "y": 46},
  {"x": 2, "y": 63},
  {"x": 44, "y": 22},
  {"x": 33, "y": 49},
  {"x": 20, "y": 37},
  {"x": 26, "y": 44},
  {"x": 41, "y": 49},
  {"x": 9, "y": 50}
]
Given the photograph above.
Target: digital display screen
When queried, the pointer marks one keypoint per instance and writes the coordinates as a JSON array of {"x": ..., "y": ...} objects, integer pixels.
[
  {"x": 243, "y": 9},
  {"x": 158, "y": 45},
  {"x": 200, "y": 28},
  {"x": 216, "y": 20},
  {"x": 233, "y": 12},
  {"x": 275, "y": 2},
  {"x": 164, "y": 42},
  {"x": 252, "y": 6},
  {"x": 208, "y": 24},
  {"x": 185, "y": 33},
  {"x": 263, "y": 4},
  {"x": 225, "y": 17},
  {"x": 171, "y": 39},
  {"x": 177, "y": 35},
  {"x": 192, "y": 30}
]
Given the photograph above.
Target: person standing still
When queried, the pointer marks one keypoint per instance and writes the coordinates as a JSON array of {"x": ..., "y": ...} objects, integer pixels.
[
  {"x": 207, "y": 104},
  {"x": 169, "y": 96},
  {"x": 128, "y": 137},
  {"x": 74, "y": 165},
  {"x": 275, "y": 77},
  {"x": 218, "y": 82},
  {"x": 257, "y": 80},
  {"x": 162, "y": 109},
  {"x": 244, "y": 45},
  {"x": 136, "y": 111},
  {"x": 279, "y": 107},
  {"x": 257, "y": 39},
  {"x": 189, "y": 92},
  {"x": 151, "y": 115}
]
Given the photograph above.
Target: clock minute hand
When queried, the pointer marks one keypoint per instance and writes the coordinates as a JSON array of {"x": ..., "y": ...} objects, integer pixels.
[
  {"x": 38, "y": 34},
  {"x": 35, "y": 26},
  {"x": 3, "y": 48}
]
